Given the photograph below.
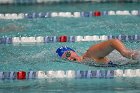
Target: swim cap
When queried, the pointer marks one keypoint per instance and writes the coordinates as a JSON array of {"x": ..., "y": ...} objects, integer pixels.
[{"x": 62, "y": 49}]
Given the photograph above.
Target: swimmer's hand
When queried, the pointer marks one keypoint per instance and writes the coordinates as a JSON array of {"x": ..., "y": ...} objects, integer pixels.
[{"x": 135, "y": 56}]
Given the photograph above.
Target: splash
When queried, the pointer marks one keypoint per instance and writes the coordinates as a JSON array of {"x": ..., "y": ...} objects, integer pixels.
[{"x": 115, "y": 56}]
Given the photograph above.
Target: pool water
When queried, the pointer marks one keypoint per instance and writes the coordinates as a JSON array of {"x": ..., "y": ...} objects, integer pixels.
[{"x": 35, "y": 57}]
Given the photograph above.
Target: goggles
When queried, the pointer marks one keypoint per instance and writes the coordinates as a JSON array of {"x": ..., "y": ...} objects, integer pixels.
[{"x": 68, "y": 54}]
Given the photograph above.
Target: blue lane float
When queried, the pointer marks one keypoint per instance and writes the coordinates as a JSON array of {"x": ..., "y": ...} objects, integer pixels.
[
  {"x": 130, "y": 38},
  {"x": 50, "y": 39},
  {"x": 5, "y": 40},
  {"x": 71, "y": 39},
  {"x": 8, "y": 75},
  {"x": 43, "y": 15},
  {"x": 95, "y": 74},
  {"x": 86, "y": 14},
  {"x": 36, "y": 15}
]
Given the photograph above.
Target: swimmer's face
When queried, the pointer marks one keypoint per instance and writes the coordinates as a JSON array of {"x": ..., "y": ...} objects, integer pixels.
[{"x": 71, "y": 55}]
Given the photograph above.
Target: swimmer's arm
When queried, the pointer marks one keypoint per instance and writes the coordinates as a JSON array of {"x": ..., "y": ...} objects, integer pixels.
[{"x": 85, "y": 55}]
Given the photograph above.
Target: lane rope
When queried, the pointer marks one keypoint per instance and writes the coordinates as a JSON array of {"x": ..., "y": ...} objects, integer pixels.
[
  {"x": 63, "y": 1},
  {"x": 88, "y": 74},
  {"x": 69, "y": 14},
  {"x": 54, "y": 39}
]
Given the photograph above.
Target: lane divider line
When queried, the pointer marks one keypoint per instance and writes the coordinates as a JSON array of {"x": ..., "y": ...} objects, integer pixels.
[
  {"x": 22, "y": 75},
  {"x": 54, "y": 39},
  {"x": 96, "y": 13}
]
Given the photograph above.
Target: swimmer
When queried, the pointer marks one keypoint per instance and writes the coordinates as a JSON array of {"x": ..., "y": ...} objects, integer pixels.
[{"x": 98, "y": 53}]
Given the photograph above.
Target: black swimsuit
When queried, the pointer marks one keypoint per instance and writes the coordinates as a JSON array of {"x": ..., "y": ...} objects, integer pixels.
[{"x": 110, "y": 64}]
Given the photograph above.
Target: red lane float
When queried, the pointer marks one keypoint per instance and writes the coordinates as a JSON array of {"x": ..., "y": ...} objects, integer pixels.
[
  {"x": 97, "y": 13},
  {"x": 63, "y": 39},
  {"x": 21, "y": 75}
]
